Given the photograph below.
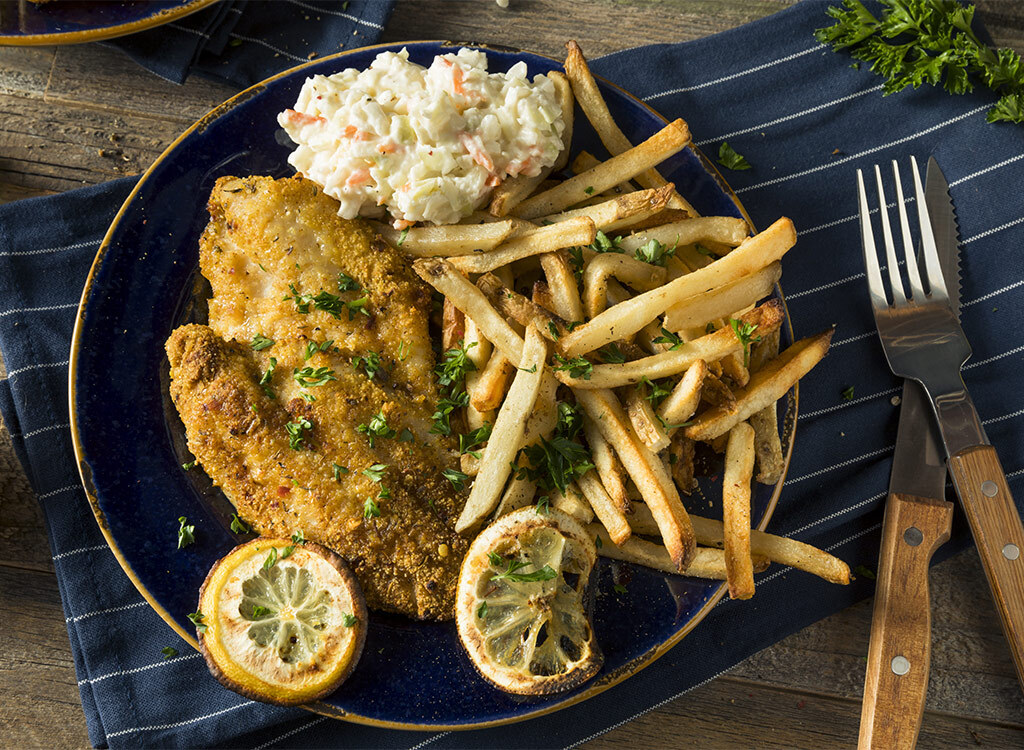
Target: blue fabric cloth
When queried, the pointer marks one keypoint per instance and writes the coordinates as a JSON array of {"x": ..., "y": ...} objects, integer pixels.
[
  {"x": 244, "y": 41},
  {"x": 805, "y": 119}
]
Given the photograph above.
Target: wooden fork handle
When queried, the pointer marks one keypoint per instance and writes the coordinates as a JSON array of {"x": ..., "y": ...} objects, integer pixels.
[
  {"x": 998, "y": 534},
  {"x": 900, "y": 649}
]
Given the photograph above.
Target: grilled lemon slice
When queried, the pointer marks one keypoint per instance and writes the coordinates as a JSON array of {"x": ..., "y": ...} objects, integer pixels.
[
  {"x": 284, "y": 623},
  {"x": 520, "y": 603}
]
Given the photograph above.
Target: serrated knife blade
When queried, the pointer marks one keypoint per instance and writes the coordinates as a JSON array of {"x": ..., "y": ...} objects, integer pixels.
[{"x": 919, "y": 462}]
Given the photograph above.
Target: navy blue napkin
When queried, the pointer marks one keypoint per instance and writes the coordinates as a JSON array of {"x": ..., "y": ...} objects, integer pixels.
[
  {"x": 805, "y": 119},
  {"x": 245, "y": 41}
]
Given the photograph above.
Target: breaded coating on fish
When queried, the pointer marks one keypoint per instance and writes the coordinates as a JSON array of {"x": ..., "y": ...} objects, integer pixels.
[{"x": 350, "y": 387}]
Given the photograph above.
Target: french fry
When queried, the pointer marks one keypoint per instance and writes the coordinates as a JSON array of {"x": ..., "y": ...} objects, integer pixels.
[
  {"x": 681, "y": 454},
  {"x": 621, "y": 211},
  {"x": 507, "y": 435},
  {"x": 478, "y": 348},
  {"x": 607, "y": 512},
  {"x": 644, "y": 420},
  {"x": 573, "y": 503},
  {"x": 700, "y": 309},
  {"x": 766, "y": 387},
  {"x": 521, "y": 309},
  {"x": 565, "y": 296},
  {"x": 739, "y": 468},
  {"x": 684, "y": 399},
  {"x": 453, "y": 325},
  {"x": 450, "y": 239},
  {"x": 514, "y": 190},
  {"x": 667, "y": 141},
  {"x": 734, "y": 369},
  {"x": 578, "y": 231},
  {"x": 542, "y": 293},
  {"x": 778, "y": 549},
  {"x": 709, "y": 348},
  {"x": 520, "y": 492},
  {"x": 607, "y": 465},
  {"x": 707, "y": 562},
  {"x": 723, "y": 229},
  {"x": 626, "y": 318},
  {"x": 593, "y": 105},
  {"x": 441, "y": 275},
  {"x": 585, "y": 160},
  {"x": 544, "y": 419},
  {"x": 646, "y": 471},
  {"x": 767, "y": 446},
  {"x": 717, "y": 393},
  {"x": 663, "y": 217},
  {"x": 636, "y": 273},
  {"x": 488, "y": 388}
]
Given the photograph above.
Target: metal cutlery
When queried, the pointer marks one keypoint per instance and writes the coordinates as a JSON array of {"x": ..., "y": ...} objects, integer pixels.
[{"x": 923, "y": 341}]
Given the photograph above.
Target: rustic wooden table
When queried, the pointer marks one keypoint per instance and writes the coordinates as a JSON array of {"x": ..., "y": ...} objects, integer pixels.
[{"x": 74, "y": 116}]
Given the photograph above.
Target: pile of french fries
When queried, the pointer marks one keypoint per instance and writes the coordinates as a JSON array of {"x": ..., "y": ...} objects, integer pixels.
[{"x": 538, "y": 304}]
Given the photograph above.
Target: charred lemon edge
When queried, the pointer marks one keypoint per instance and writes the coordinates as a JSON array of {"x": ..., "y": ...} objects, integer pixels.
[
  {"x": 231, "y": 674},
  {"x": 511, "y": 526}
]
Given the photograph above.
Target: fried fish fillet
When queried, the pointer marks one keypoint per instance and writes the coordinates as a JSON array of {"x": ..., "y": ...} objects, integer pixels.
[{"x": 292, "y": 431}]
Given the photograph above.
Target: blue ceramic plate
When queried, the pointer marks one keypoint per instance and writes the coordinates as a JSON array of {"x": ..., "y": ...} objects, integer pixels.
[
  {"x": 130, "y": 444},
  {"x": 73, "y": 21}
]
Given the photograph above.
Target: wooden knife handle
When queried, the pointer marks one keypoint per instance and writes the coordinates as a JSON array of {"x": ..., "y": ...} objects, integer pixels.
[
  {"x": 901, "y": 623},
  {"x": 998, "y": 534}
]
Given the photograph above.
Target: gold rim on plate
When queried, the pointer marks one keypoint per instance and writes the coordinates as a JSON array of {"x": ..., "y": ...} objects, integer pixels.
[
  {"x": 107, "y": 32},
  {"x": 599, "y": 685}
]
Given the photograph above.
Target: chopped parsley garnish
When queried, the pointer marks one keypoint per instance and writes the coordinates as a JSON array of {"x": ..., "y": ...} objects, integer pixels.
[
  {"x": 267, "y": 377},
  {"x": 531, "y": 369},
  {"x": 189, "y": 465},
  {"x": 338, "y": 470},
  {"x": 307, "y": 397},
  {"x": 655, "y": 393},
  {"x": 347, "y": 284},
  {"x": 667, "y": 337},
  {"x": 578, "y": 367},
  {"x": 298, "y": 537},
  {"x": 258, "y": 611},
  {"x": 169, "y": 652},
  {"x": 848, "y": 393},
  {"x": 554, "y": 463},
  {"x": 471, "y": 440},
  {"x": 509, "y": 573},
  {"x": 238, "y": 526},
  {"x": 604, "y": 244},
  {"x": 259, "y": 341},
  {"x": 863, "y": 570},
  {"x": 370, "y": 362},
  {"x": 745, "y": 333},
  {"x": 576, "y": 261},
  {"x": 358, "y": 306},
  {"x": 405, "y": 436},
  {"x": 618, "y": 588},
  {"x": 654, "y": 252},
  {"x": 544, "y": 505},
  {"x": 709, "y": 328},
  {"x": 729, "y": 159},
  {"x": 311, "y": 348},
  {"x": 481, "y": 611},
  {"x": 451, "y": 372},
  {"x": 589, "y": 190},
  {"x": 197, "y": 618},
  {"x": 457, "y": 478},
  {"x": 918, "y": 41},
  {"x": 376, "y": 428},
  {"x": 402, "y": 354},
  {"x": 553, "y": 329},
  {"x": 704, "y": 251},
  {"x": 376, "y": 472},
  {"x": 402, "y": 236},
  {"x": 287, "y": 551},
  {"x": 370, "y": 508},
  {"x": 668, "y": 427},
  {"x": 186, "y": 532},
  {"x": 271, "y": 560},
  {"x": 349, "y": 620},
  {"x": 329, "y": 303},
  {"x": 295, "y": 429},
  {"x": 308, "y": 377},
  {"x": 611, "y": 354}
]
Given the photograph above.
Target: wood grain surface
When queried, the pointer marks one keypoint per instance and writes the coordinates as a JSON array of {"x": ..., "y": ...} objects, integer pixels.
[{"x": 74, "y": 116}]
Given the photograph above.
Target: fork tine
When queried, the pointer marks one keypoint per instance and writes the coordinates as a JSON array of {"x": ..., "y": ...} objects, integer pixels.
[
  {"x": 913, "y": 272},
  {"x": 876, "y": 286},
  {"x": 936, "y": 284},
  {"x": 898, "y": 296}
]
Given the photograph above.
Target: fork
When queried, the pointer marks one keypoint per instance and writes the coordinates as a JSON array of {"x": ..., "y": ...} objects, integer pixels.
[{"x": 923, "y": 341}]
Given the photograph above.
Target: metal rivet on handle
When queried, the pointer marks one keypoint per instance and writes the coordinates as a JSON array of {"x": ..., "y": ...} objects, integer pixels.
[
  {"x": 913, "y": 537},
  {"x": 900, "y": 665},
  {"x": 989, "y": 488},
  {"x": 1011, "y": 551}
]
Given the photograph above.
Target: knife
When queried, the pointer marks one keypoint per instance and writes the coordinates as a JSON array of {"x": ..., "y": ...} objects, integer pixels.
[{"x": 917, "y": 521}]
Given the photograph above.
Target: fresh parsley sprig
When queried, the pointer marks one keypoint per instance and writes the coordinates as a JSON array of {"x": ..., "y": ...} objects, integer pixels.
[
  {"x": 745, "y": 333},
  {"x": 730, "y": 159},
  {"x": 578, "y": 367},
  {"x": 377, "y": 427},
  {"x": 928, "y": 41},
  {"x": 512, "y": 566}
]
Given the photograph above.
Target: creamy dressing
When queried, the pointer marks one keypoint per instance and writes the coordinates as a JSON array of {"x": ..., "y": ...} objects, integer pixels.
[{"x": 422, "y": 144}]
